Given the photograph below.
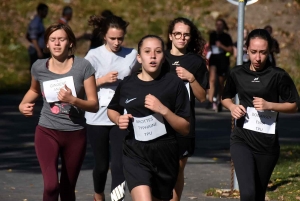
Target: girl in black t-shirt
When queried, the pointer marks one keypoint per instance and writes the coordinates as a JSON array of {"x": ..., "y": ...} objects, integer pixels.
[
  {"x": 184, "y": 57},
  {"x": 220, "y": 44},
  {"x": 156, "y": 107},
  {"x": 254, "y": 141}
]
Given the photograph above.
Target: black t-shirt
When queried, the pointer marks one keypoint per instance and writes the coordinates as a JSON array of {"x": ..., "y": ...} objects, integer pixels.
[
  {"x": 271, "y": 84},
  {"x": 169, "y": 89},
  {"x": 195, "y": 65},
  {"x": 225, "y": 39}
]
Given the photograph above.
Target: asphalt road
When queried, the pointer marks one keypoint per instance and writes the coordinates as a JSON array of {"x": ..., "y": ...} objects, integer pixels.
[{"x": 21, "y": 179}]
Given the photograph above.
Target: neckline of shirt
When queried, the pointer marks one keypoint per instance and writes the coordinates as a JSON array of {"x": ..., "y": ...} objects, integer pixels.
[{"x": 47, "y": 67}]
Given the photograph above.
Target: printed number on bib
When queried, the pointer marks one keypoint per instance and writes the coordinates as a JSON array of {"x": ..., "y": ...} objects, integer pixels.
[
  {"x": 149, "y": 128},
  {"x": 106, "y": 94},
  {"x": 260, "y": 121},
  {"x": 187, "y": 85},
  {"x": 52, "y": 88}
]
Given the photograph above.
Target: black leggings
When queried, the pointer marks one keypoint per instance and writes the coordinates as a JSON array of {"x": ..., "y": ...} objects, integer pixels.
[
  {"x": 99, "y": 137},
  {"x": 253, "y": 171}
]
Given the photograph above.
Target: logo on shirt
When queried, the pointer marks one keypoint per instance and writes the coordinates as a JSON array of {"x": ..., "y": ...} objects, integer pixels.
[
  {"x": 256, "y": 79},
  {"x": 128, "y": 101},
  {"x": 176, "y": 63},
  {"x": 185, "y": 153}
]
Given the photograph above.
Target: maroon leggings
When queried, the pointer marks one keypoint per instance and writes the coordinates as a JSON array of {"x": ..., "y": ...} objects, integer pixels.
[{"x": 71, "y": 146}]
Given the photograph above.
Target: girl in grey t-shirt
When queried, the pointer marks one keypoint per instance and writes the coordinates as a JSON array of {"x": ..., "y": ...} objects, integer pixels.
[{"x": 63, "y": 80}]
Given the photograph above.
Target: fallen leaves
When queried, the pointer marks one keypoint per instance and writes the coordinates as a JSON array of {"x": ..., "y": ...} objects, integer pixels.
[{"x": 223, "y": 193}]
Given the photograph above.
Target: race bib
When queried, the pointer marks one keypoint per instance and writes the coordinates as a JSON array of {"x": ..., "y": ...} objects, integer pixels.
[
  {"x": 187, "y": 85},
  {"x": 106, "y": 94},
  {"x": 149, "y": 128},
  {"x": 52, "y": 88},
  {"x": 260, "y": 121},
  {"x": 216, "y": 50}
]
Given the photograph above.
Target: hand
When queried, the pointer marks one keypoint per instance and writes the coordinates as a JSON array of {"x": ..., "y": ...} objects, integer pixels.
[
  {"x": 152, "y": 103},
  {"x": 219, "y": 44},
  {"x": 26, "y": 109},
  {"x": 184, "y": 74},
  {"x": 260, "y": 104},
  {"x": 65, "y": 95},
  {"x": 123, "y": 121},
  {"x": 111, "y": 77},
  {"x": 237, "y": 111}
]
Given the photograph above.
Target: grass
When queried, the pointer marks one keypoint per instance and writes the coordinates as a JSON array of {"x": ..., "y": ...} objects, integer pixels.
[
  {"x": 285, "y": 180},
  {"x": 145, "y": 17}
]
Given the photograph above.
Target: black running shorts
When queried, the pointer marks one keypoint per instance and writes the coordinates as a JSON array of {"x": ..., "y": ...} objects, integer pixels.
[
  {"x": 186, "y": 146},
  {"x": 154, "y": 164}
]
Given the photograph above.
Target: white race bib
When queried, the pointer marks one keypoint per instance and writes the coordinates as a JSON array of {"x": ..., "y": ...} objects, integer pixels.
[
  {"x": 106, "y": 94},
  {"x": 187, "y": 85},
  {"x": 216, "y": 50},
  {"x": 260, "y": 121},
  {"x": 149, "y": 128},
  {"x": 52, "y": 88}
]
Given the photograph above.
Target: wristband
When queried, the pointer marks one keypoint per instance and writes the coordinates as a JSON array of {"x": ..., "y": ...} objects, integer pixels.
[{"x": 193, "y": 80}]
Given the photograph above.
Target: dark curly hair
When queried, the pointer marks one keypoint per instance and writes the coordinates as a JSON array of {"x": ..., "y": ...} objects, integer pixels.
[{"x": 196, "y": 43}]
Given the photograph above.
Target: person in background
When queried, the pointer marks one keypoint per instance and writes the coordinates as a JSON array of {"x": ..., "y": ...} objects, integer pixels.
[
  {"x": 66, "y": 15},
  {"x": 221, "y": 48},
  {"x": 95, "y": 38},
  {"x": 112, "y": 63},
  {"x": 264, "y": 91},
  {"x": 35, "y": 35},
  {"x": 245, "y": 55},
  {"x": 275, "y": 47}
]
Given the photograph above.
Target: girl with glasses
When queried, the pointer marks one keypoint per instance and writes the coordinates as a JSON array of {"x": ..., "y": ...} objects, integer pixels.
[{"x": 184, "y": 57}]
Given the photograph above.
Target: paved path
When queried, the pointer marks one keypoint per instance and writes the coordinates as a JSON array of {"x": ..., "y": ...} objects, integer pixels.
[{"x": 21, "y": 179}]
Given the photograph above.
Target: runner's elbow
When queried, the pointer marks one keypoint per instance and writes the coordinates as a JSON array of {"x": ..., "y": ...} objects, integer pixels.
[{"x": 95, "y": 107}]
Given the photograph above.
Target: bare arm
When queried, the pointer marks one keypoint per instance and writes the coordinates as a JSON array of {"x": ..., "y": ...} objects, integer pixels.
[
  {"x": 226, "y": 48},
  {"x": 179, "y": 124},
  {"x": 261, "y": 104},
  {"x": 90, "y": 105},
  {"x": 198, "y": 91},
  {"x": 121, "y": 120},
  {"x": 237, "y": 111},
  {"x": 108, "y": 78},
  {"x": 27, "y": 104},
  {"x": 37, "y": 48}
]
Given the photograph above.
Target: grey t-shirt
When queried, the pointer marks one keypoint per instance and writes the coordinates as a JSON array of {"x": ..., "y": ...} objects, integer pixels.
[{"x": 57, "y": 115}]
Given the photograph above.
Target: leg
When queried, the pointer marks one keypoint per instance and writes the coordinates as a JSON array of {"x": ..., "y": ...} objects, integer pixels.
[
  {"x": 72, "y": 156},
  {"x": 47, "y": 150},
  {"x": 99, "y": 140},
  {"x": 116, "y": 165},
  {"x": 141, "y": 193},
  {"x": 244, "y": 165},
  {"x": 265, "y": 165},
  {"x": 220, "y": 92},
  {"x": 177, "y": 192},
  {"x": 212, "y": 80}
]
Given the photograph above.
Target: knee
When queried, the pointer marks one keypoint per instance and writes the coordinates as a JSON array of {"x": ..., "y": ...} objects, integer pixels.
[{"x": 51, "y": 189}]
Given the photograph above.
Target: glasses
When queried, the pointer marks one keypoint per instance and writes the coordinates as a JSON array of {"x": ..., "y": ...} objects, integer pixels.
[{"x": 178, "y": 35}]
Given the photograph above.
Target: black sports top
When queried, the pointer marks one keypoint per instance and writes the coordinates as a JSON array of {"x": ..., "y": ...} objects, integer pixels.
[
  {"x": 196, "y": 65},
  {"x": 271, "y": 84},
  {"x": 168, "y": 88}
]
